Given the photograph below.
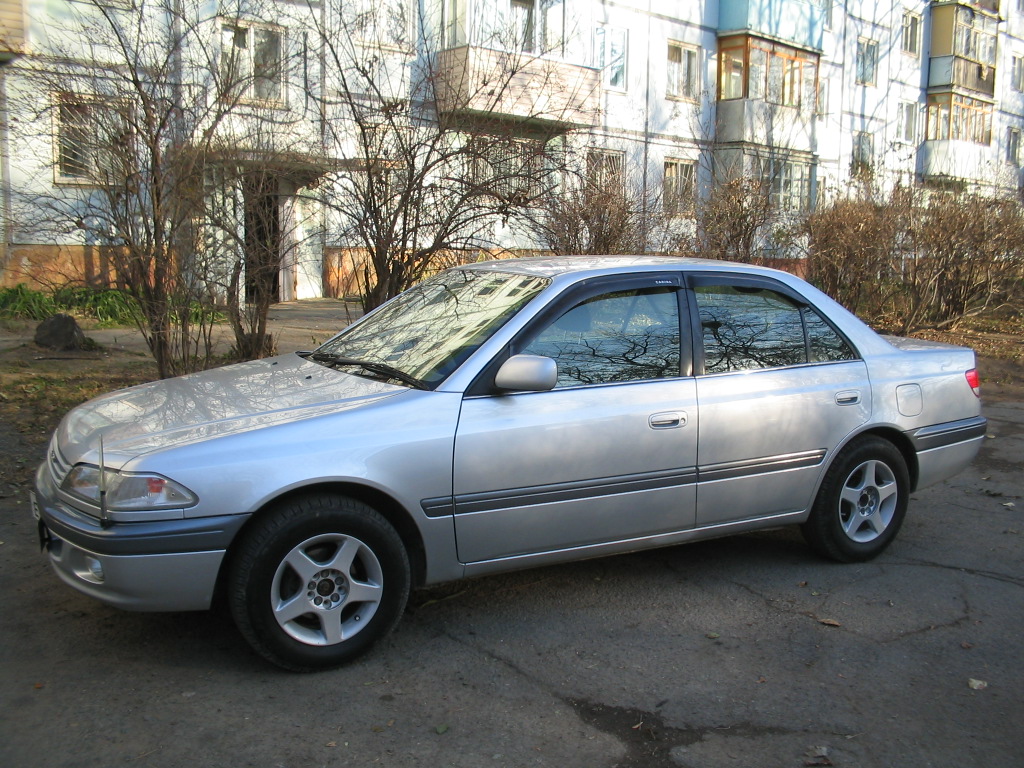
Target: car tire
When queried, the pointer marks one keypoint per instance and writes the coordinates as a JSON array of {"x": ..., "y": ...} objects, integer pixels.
[
  {"x": 316, "y": 581},
  {"x": 861, "y": 503}
]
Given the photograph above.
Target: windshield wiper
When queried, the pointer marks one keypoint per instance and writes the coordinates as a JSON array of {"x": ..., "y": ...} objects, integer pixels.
[{"x": 381, "y": 369}]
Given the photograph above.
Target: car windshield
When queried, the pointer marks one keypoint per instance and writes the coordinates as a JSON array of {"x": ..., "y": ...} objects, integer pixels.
[{"x": 424, "y": 334}]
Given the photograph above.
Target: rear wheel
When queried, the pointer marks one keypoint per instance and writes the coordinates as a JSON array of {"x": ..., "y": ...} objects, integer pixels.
[
  {"x": 317, "y": 581},
  {"x": 862, "y": 502}
]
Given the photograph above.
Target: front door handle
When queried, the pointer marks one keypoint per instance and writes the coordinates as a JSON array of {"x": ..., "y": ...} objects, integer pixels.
[{"x": 668, "y": 420}]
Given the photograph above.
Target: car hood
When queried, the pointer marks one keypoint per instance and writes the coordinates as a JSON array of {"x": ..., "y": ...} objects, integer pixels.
[{"x": 211, "y": 404}]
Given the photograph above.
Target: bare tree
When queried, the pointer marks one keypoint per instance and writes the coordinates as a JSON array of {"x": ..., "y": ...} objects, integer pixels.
[
  {"x": 141, "y": 104},
  {"x": 441, "y": 145}
]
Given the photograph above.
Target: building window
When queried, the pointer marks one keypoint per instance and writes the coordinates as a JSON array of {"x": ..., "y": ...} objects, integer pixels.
[
  {"x": 867, "y": 61},
  {"x": 538, "y": 25},
  {"x": 678, "y": 186},
  {"x": 906, "y": 122},
  {"x": 731, "y": 74},
  {"x": 822, "y": 97},
  {"x": 863, "y": 159},
  {"x": 92, "y": 135},
  {"x": 789, "y": 183},
  {"x": 511, "y": 169},
  {"x": 974, "y": 37},
  {"x": 523, "y": 24},
  {"x": 606, "y": 170},
  {"x": 1017, "y": 73},
  {"x": 683, "y": 72},
  {"x": 960, "y": 118},
  {"x": 610, "y": 46},
  {"x": 1013, "y": 146},
  {"x": 911, "y": 33},
  {"x": 252, "y": 62}
]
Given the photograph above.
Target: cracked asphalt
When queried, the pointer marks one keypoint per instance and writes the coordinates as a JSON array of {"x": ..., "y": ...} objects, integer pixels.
[{"x": 747, "y": 651}]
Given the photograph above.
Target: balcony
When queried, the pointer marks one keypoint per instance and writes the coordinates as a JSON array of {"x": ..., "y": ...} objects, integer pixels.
[
  {"x": 754, "y": 121},
  {"x": 945, "y": 72},
  {"x": 480, "y": 83},
  {"x": 954, "y": 159},
  {"x": 12, "y": 29}
]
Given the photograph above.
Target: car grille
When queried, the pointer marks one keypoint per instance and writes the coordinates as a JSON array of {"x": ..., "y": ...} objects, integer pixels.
[{"x": 59, "y": 466}]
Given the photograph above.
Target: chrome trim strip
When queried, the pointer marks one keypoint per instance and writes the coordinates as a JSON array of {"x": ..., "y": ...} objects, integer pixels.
[
  {"x": 950, "y": 433},
  {"x": 490, "y": 501},
  {"x": 735, "y": 469}
]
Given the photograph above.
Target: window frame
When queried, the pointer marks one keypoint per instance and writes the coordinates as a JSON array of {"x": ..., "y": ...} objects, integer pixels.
[
  {"x": 1017, "y": 72},
  {"x": 678, "y": 201},
  {"x": 864, "y": 45},
  {"x": 91, "y": 125},
  {"x": 910, "y": 36},
  {"x": 252, "y": 76},
  {"x": 1013, "y": 142},
  {"x": 687, "y": 85},
  {"x": 598, "y": 162},
  {"x": 905, "y": 109},
  {"x": 703, "y": 279},
  {"x": 604, "y": 41}
]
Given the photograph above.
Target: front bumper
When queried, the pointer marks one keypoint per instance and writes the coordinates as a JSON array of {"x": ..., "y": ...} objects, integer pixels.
[{"x": 166, "y": 565}]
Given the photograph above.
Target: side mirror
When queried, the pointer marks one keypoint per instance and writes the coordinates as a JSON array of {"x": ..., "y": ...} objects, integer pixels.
[{"x": 527, "y": 373}]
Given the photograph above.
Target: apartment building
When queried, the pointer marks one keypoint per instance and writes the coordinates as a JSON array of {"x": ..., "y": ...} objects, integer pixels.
[{"x": 671, "y": 97}]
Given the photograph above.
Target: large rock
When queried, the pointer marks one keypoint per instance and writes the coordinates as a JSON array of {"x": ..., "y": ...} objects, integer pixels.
[{"x": 60, "y": 332}]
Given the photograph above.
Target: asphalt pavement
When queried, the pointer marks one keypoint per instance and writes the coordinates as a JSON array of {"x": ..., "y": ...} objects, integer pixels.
[{"x": 747, "y": 651}]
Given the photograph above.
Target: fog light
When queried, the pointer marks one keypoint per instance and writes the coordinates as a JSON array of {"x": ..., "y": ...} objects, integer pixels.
[{"x": 95, "y": 568}]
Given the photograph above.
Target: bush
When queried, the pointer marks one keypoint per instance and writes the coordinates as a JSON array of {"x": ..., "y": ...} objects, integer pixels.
[{"x": 108, "y": 306}]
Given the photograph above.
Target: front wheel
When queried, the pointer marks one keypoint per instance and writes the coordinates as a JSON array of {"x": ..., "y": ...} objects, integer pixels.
[
  {"x": 862, "y": 502},
  {"x": 316, "y": 581}
]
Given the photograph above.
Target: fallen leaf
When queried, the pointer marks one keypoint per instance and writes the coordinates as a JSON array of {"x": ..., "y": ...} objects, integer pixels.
[
  {"x": 441, "y": 729},
  {"x": 331, "y": 744},
  {"x": 977, "y": 685},
  {"x": 762, "y": 679},
  {"x": 1009, "y": 504},
  {"x": 802, "y": 584},
  {"x": 712, "y": 635},
  {"x": 377, "y": 729},
  {"x": 966, "y": 646},
  {"x": 638, "y": 725},
  {"x": 829, "y": 622}
]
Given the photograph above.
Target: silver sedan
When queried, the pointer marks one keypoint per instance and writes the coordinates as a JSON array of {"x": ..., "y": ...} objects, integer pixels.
[{"x": 495, "y": 417}]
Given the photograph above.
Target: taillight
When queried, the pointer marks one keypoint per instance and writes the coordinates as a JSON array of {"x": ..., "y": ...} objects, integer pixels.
[{"x": 974, "y": 381}]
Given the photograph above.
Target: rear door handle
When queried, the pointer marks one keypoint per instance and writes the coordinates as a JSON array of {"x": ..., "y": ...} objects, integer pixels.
[
  {"x": 668, "y": 420},
  {"x": 849, "y": 397}
]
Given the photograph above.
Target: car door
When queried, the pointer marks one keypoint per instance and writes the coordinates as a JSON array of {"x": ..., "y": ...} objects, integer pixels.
[
  {"x": 608, "y": 454},
  {"x": 778, "y": 388}
]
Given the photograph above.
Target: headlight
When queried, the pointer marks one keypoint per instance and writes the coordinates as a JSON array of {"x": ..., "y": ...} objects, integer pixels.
[{"x": 127, "y": 491}]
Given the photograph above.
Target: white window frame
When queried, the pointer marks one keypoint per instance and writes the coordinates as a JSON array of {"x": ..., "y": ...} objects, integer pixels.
[
  {"x": 907, "y": 122},
  {"x": 684, "y": 75},
  {"x": 1013, "y": 141},
  {"x": 1017, "y": 73},
  {"x": 614, "y": 68},
  {"x": 98, "y": 166},
  {"x": 250, "y": 78},
  {"x": 679, "y": 184},
  {"x": 867, "y": 52},
  {"x": 862, "y": 156},
  {"x": 910, "y": 42}
]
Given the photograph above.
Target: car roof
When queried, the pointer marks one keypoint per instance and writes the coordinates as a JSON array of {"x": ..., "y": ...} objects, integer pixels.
[{"x": 555, "y": 266}]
